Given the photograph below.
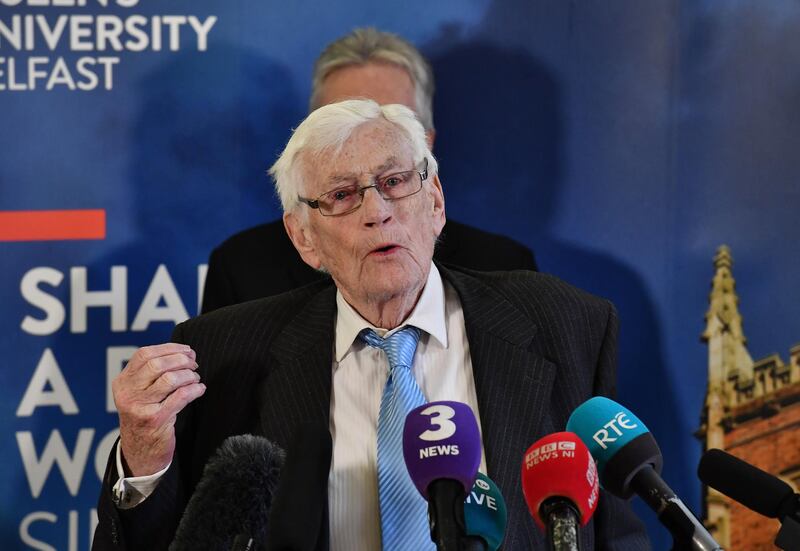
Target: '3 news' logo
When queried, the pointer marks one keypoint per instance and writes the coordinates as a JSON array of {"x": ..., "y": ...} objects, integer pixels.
[{"x": 613, "y": 429}]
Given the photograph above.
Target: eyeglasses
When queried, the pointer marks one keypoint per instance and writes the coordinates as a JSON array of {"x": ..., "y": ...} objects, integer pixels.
[{"x": 344, "y": 200}]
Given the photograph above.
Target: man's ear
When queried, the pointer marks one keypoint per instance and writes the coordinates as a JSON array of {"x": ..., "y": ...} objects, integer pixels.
[
  {"x": 437, "y": 195},
  {"x": 301, "y": 238},
  {"x": 430, "y": 137}
]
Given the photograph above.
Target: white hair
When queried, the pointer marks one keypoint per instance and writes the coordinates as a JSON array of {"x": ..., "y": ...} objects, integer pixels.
[
  {"x": 364, "y": 45},
  {"x": 328, "y": 129}
]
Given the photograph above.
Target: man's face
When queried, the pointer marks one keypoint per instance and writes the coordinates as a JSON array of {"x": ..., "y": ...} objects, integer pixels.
[
  {"x": 382, "y": 82},
  {"x": 383, "y": 250}
]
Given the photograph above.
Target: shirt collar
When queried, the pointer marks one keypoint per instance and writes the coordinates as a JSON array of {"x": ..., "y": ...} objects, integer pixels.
[{"x": 428, "y": 315}]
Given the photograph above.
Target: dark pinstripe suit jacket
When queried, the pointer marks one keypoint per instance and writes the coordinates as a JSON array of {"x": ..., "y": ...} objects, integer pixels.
[{"x": 539, "y": 348}]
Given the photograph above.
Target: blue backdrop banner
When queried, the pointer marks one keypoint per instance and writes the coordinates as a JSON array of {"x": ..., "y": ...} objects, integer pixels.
[{"x": 622, "y": 141}]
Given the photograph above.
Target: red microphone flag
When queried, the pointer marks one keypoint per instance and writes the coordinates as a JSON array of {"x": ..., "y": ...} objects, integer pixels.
[{"x": 560, "y": 465}]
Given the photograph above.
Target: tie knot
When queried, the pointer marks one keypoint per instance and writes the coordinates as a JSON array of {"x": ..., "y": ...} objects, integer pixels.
[{"x": 399, "y": 348}]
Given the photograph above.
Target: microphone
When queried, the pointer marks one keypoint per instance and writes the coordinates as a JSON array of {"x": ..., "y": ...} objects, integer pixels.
[
  {"x": 485, "y": 516},
  {"x": 755, "y": 489},
  {"x": 229, "y": 507},
  {"x": 629, "y": 461},
  {"x": 299, "y": 505},
  {"x": 559, "y": 482},
  {"x": 442, "y": 451}
]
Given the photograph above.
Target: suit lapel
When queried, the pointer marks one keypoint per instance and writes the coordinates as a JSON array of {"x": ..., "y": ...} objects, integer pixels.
[
  {"x": 297, "y": 389},
  {"x": 512, "y": 382}
]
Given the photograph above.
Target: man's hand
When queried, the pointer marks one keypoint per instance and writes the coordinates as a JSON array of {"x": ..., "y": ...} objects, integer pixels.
[{"x": 158, "y": 382}]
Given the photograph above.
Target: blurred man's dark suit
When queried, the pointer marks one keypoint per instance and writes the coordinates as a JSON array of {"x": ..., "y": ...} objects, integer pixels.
[
  {"x": 539, "y": 348},
  {"x": 261, "y": 261}
]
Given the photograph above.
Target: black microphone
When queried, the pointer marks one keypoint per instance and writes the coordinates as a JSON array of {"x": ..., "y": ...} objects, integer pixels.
[
  {"x": 230, "y": 506},
  {"x": 300, "y": 502},
  {"x": 755, "y": 489},
  {"x": 629, "y": 461}
]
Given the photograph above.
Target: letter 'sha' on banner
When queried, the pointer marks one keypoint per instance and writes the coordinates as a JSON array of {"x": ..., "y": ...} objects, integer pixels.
[{"x": 75, "y": 338}]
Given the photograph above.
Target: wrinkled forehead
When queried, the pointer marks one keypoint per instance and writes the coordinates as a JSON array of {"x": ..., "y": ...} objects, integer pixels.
[{"x": 374, "y": 148}]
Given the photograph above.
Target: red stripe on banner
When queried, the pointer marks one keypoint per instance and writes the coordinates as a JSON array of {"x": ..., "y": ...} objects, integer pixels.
[{"x": 52, "y": 225}]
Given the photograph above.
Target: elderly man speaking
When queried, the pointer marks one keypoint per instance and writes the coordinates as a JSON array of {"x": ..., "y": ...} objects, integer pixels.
[{"x": 363, "y": 201}]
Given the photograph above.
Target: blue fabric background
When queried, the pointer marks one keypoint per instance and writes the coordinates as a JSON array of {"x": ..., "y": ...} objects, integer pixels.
[{"x": 623, "y": 141}]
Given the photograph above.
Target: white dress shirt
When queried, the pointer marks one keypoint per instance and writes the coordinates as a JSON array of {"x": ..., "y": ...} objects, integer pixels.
[{"x": 442, "y": 368}]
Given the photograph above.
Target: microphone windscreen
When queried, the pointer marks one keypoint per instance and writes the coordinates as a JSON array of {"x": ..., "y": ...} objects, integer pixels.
[
  {"x": 300, "y": 500},
  {"x": 441, "y": 440},
  {"x": 233, "y": 496},
  {"x": 618, "y": 441},
  {"x": 485, "y": 513},
  {"x": 560, "y": 465},
  {"x": 745, "y": 483}
]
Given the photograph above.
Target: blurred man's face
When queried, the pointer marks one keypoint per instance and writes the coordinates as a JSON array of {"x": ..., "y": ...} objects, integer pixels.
[
  {"x": 383, "y": 250},
  {"x": 383, "y": 82}
]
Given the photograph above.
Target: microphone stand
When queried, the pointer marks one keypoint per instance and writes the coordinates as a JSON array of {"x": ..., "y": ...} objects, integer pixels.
[
  {"x": 446, "y": 514},
  {"x": 688, "y": 533},
  {"x": 788, "y": 537},
  {"x": 562, "y": 524},
  {"x": 473, "y": 543}
]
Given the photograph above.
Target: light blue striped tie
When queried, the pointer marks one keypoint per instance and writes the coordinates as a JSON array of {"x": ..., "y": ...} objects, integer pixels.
[{"x": 404, "y": 512}]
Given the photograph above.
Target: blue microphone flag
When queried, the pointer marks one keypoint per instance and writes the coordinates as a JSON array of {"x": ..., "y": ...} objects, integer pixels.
[{"x": 605, "y": 427}]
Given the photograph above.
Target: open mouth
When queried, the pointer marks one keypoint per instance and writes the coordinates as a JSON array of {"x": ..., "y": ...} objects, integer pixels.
[{"x": 385, "y": 249}]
